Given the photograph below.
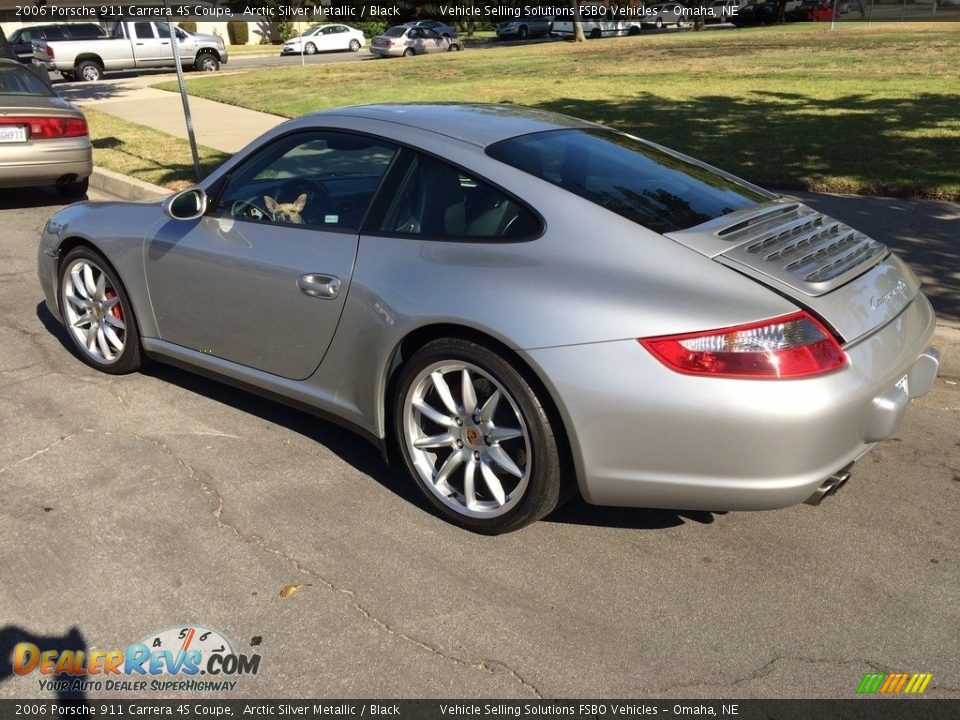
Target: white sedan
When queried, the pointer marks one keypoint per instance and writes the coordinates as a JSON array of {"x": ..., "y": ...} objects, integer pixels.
[{"x": 325, "y": 38}]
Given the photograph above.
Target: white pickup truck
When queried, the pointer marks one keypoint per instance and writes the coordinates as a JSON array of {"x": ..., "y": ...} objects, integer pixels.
[{"x": 128, "y": 46}]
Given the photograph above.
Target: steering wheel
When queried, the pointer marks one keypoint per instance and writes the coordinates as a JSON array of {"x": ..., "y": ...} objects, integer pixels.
[{"x": 246, "y": 210}]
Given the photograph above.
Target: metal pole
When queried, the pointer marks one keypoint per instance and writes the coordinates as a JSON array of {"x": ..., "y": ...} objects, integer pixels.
[
  {"x": 903, "y": 10},
  {"x": 833, "y": 16},
  {"x": 870, "y": 18},
  {"x": 183, "y": 96}
]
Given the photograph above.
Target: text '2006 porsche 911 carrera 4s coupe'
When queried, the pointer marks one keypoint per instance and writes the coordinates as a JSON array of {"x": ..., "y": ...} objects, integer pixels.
[{"x": 521, "y": 305}]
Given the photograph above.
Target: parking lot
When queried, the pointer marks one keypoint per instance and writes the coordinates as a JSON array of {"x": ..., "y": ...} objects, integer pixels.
[{"x": 136, "y": 503}]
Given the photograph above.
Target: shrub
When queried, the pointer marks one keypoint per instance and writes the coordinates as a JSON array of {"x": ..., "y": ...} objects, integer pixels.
[
  {"x": 371, "y": 28},
  {"x": 238, "y": 32},
  {"x": 188, "y": 26},
  {"x": 286, "y": 30}
]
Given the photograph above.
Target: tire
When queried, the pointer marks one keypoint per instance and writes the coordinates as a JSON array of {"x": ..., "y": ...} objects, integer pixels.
[
  {"x": 74, "y": 190},
  {"x": 206, "y": 62},
  {"x": 409, "y": 52},
  {"x": 595, "y": 34},
  {"x": 659, "y": 23},
  {"x": 453, "y": 47},
  {"x": 505, "y": 444},
  {"x": 114, "y": 347},
  {"x": 88, "y": 70},
  {"x": 354, "y": 45},
  {"x": 68, "y": 76},
  {"x": 310, "y": 49},
  {"x": 633, "y": 31},
  {"x": 523, "y": 32}
]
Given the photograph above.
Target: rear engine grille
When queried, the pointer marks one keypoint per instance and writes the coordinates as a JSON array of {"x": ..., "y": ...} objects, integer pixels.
[{"x": 804, "y": 249}]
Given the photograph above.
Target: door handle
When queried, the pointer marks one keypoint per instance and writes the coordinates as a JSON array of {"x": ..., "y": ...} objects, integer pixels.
[{"x": 325, "y": 287}]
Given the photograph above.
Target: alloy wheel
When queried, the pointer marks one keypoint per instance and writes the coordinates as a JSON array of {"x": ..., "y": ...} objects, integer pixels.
[
  {"x": 467, "y": 439},
  {"x": 92, "y": 312}
]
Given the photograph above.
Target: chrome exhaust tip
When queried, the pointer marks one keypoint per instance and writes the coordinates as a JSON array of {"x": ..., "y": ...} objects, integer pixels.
[{"x": 830, "y": 486}]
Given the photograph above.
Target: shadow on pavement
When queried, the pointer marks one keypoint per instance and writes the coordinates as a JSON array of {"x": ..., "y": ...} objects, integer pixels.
[
  {"x": 36, "y": 197},
  {"x": 11, "y": 636},
  {"x": 579, "y": 512}
]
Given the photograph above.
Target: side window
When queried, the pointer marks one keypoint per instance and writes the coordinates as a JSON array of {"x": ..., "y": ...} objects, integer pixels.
[
  {"x": 321, "y": 179},
  {"x": 143, "y": 31},
  {"x": 437, "y": 200},
  {"x": 84, "y": 32},
  {"x": 53, "y": 33}
]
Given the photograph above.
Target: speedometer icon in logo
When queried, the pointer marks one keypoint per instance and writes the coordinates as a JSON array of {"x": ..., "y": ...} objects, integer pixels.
[
  {"x": 193, "y": 637},
  {"x": 199, "y": 643},
  {"x": 189, "y": 650}
]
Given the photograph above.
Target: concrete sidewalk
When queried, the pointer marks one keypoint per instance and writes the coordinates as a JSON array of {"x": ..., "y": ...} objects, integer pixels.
[{"x": 216, "y": 125}]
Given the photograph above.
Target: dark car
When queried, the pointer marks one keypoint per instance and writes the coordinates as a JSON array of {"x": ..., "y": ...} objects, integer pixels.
[
  {"x": 22, "y": 39},
  {"x": 760, "y": 14},
  {"x": 5, "y": 50}
]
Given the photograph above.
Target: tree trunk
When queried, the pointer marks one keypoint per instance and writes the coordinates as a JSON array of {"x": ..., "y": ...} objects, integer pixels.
[{"x": 578, "y": 35}]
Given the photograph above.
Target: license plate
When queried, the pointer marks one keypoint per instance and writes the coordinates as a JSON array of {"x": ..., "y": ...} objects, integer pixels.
[
  {"x": 13, "y": 134},
  {"x": 903, "y": 384}
]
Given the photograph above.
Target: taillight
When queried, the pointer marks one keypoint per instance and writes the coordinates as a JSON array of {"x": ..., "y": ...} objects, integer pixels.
[
  {"x": 791, "y": 346},
  {"x": 46, "y": 128},
  {"x": 49, "y": 53}
]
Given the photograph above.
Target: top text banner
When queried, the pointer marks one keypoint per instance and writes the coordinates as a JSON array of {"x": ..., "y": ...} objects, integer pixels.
[
  {"x": 394, "y": 12},
  {"x": 345, "y": 11}
]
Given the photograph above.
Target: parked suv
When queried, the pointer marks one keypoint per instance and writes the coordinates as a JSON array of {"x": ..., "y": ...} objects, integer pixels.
[{"x": 22, "y": 38}]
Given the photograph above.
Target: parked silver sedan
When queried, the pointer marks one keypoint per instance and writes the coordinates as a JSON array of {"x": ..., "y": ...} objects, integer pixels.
[
  {"x": 44, "y": 140},
  {"x": 524, "y": 305},
  {"x": 406, "y": 40}
]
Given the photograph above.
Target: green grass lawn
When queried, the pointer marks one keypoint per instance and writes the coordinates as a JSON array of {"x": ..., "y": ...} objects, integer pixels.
[
  {"x": 859, "y": 109},
  {"x": 144, "y": 153}
]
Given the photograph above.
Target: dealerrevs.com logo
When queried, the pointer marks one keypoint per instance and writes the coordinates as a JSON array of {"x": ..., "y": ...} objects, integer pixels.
[{"x": 170, "y": 660}]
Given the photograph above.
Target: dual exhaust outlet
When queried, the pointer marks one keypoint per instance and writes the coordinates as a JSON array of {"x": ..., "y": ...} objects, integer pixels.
[{"x": 830, "y": 486}]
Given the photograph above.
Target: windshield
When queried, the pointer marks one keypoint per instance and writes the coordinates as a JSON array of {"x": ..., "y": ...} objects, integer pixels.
[
  {"x": 627, "y": 176},
  {"x": 16, "y": 80}
]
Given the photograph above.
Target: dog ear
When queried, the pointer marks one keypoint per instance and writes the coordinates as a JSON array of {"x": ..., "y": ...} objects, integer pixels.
[
  {"x": 272, "y": 205},
  {"x": 300, "y": 203}
]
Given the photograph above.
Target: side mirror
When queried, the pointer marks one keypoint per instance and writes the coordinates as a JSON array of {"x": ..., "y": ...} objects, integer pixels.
[{"x": 188, "y": 204}]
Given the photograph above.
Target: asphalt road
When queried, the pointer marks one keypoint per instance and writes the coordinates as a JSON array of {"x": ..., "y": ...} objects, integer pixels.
[{"x": 142, "y": 502}]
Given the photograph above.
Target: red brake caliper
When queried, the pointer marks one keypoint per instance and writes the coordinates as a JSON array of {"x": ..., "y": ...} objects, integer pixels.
[{"x": 116, "y": 310}]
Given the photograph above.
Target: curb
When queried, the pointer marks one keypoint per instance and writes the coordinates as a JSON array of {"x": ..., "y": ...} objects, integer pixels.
[
  {"x": 125, "y": 187},
  {"x": 946, "y": 338}
]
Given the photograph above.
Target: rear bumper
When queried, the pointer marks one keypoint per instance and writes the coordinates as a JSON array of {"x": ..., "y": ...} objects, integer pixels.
[
  {"x": 45, "y": 162},
  {"x": 644, "y": 436}
]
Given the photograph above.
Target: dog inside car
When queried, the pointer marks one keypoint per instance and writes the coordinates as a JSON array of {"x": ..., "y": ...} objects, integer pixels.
[{"x": 286, "y": 212}]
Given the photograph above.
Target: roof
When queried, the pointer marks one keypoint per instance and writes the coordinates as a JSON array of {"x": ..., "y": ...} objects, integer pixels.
[{"x": 476, "y": 124}]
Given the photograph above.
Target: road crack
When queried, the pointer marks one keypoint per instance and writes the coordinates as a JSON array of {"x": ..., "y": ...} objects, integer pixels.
[
  {"x": 493, "y": 667},
  {"x": 768, "y": 668}
]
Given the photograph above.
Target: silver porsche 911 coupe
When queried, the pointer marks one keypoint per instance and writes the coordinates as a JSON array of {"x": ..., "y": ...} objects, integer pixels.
[{"x": 521, "y": 305}]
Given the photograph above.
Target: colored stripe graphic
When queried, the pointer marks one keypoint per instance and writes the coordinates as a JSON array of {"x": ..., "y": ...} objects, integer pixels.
[
  {"x": 871, "y": 682},
  {"x": 893, "y": 683}
]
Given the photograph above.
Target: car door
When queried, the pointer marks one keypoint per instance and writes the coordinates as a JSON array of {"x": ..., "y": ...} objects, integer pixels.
[
  {"x": 148, "y": 49},
  {"x": 338, "y": 38},
  {"x": 433, "y": 41},
  {"x": 261, "y": 279}
]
